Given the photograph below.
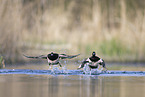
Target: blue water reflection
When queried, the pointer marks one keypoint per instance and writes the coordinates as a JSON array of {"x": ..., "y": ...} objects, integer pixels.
[{"x": 72, "y": 72}]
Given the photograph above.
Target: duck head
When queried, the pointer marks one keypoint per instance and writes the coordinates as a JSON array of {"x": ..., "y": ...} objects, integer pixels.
[
  {"x": 93, "y": 54},
  {"x": 51, "y": 53}
]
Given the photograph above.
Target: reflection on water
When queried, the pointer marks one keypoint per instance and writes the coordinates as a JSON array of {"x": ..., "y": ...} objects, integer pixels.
[
  {"x": 70, "y": 86},
  {"x": 22, "y": 85}
]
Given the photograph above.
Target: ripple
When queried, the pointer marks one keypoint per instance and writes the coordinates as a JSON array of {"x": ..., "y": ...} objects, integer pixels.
[{"x": 72, "y": 72}]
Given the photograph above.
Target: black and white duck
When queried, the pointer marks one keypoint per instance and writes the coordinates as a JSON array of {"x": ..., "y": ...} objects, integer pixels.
[
  {"x": 93, "y": 62},
  {"x": 53, "y": 58}
]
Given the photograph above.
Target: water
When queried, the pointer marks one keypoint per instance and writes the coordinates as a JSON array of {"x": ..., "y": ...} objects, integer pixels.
[
  {"x": 35, "y": 81},
  {"x": 71, "y": 86},
  {"x": 56, "y": 71}
]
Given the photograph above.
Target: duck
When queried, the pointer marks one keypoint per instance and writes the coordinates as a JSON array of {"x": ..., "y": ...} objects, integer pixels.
[
  {"x": 93, "y": 61},
  {"x": 53, "y": 58}
]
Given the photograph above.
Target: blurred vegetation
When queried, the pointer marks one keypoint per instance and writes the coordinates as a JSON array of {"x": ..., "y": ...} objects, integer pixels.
[
  {"x": 115, "y": 29},
  {"x": 2, "y": 62}
]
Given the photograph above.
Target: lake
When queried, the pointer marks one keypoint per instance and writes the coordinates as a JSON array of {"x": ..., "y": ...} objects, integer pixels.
[{"x": 16, "y": 84}]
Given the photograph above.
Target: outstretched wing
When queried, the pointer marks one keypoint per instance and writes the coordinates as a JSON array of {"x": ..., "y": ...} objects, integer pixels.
[
  {"x": 37, "y": 57},
  {"x": 64, "y": 56}
]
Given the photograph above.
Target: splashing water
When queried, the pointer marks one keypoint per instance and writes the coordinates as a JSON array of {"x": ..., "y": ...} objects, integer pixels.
[
  {"x": 55, "y": 69},
  {"x": 87, "y": 70},
  {"x": 64, "y": 68}
]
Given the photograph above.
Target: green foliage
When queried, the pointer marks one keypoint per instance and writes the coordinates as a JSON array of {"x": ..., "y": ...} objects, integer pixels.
[
  {"x": 90, "y": 48},
  {"x": 113, "y": 47},
  {"x": 1, "y": 62},
  {"x": 83, "y": 24}
]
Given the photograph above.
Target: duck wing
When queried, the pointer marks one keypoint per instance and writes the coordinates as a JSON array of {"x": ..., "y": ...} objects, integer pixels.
[
  {"x": 64, "y": 56},
  {"x": 83, "y": 63},
  {"x": 37, "y": 57}
]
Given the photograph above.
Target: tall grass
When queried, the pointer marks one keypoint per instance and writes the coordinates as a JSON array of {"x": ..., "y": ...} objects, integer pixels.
[{"x": 115, "y": 29}]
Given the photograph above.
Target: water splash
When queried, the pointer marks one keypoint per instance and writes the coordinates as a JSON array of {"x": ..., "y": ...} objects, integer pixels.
[
  {"x": 87, "y": 70},
  {"x": 55, "y": 69},
  {"x": 71, "y": 72},
  {"x": 64, "y": 68}
]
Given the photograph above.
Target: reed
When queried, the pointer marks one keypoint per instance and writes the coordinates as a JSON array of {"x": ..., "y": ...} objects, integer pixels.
[
  {"x": 2, "y": 62},
  {"x": 115, "y": 29}
]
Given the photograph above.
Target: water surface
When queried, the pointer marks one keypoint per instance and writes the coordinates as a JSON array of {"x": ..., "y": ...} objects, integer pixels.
[
  {"x": 32, "y": 84},
  {"x": 71, "y": 86}
]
